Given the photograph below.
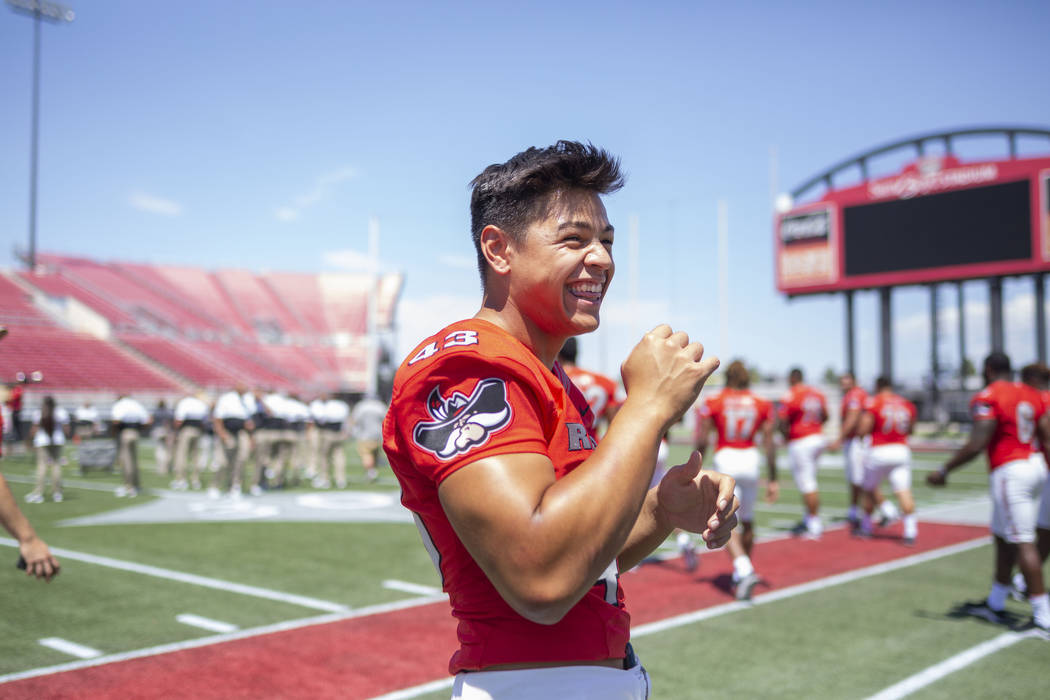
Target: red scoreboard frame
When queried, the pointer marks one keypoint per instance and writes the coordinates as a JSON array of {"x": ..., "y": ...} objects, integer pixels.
[{"x": 937, "y": 220}]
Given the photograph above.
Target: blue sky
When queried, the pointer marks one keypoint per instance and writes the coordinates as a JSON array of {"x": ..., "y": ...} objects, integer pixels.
[{"x": 265, "y": 134}]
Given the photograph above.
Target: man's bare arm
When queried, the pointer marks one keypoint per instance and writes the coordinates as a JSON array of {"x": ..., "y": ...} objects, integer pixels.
[
  {"x": 39, "y": 560},
  {"x": 980, "y": 436},
  {"x": 543, "y": 542}
]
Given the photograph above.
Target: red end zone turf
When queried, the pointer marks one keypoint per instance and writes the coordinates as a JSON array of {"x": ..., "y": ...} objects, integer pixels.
[{"x": 368, "y": 656}]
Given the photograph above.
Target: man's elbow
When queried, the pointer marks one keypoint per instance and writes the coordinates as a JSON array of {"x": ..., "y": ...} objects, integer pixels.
[{"x": 544, "y": 600}]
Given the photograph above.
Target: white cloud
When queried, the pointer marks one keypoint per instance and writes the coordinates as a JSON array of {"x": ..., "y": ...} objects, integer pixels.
[
  {"x": 154, "y": 205},
  {"x": 322, "y": 187},
  {"x": 347, "y": 259}
]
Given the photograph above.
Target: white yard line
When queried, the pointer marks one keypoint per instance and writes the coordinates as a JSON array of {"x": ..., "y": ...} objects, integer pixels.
[
  {"x": 220, "y": 638},
  {"x": 406, "y": 587},
  {"x": 72, "y": 648},
  {"x": 193, "y": 579},
  {"x": 950, "y": 665},
  {"x": 206, "y": 623},
  {"x": 718, "y": 610}
]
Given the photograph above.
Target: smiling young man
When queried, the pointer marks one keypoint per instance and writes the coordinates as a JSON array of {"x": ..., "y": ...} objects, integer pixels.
[{"x": 526, "y": 516}]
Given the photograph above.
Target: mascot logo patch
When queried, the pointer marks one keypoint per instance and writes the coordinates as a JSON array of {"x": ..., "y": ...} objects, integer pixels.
[{"x": 461, "y": 423}]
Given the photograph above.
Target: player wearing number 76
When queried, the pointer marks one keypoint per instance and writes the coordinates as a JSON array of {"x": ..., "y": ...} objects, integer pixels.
[
  {"x": 528, "y": 518},
  {"x": 889, "y": 419}
]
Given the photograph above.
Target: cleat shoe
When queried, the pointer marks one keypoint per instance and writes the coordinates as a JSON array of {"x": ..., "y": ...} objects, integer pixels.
[
  {"x": 980, "y": 609},
  {"x": 854, "y": 525},
  {"x": 121, "y": 492},
  {"x": 1035, "y": 630},
  {"x": 908, "y": 541},
  {"x": 34, "y": 498},
  {"x": 57, "y": 497},
  {"x": 255, "y": 490},
  {"x": 213, "y": 492},
  {"x": 800, "y": 529},
  {"x": 862, "y": 534},
  {"x": 745, "y": 586}
]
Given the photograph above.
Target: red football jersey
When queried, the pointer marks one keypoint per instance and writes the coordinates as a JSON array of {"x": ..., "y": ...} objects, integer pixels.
[
  {"x": 804, "y": 409},
  {"x": 1016, "y": 408},
  {"x": 737, "y": 415},
  {"x": 601, "y": 392},
  {"x": 894, "y": 416},
  {"x": 853, "y": 400},
  {"x": 469, "y": 392}
]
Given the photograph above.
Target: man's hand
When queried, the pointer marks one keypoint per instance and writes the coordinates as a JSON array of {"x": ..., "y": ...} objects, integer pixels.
[
  {"x": 667, "y": 372},
  {"x": 835, "y": 445},
  {"x": 39, "y": 560},
  {"x": 699, "y": 501},
  {"x": 772, "y": 491},
  {"x": 937, "y": 478}
]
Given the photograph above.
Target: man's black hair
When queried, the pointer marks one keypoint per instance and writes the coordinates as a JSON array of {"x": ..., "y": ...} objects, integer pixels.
[
  {"x": 512, "y": 195},
  {"x": 883, "y": 382},
  {"x": 568, "y": 351},
  {"x": 997, "y": 363}
]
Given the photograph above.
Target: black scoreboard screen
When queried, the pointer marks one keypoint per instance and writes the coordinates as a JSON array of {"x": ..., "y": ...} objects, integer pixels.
[{"x": 963, "y": 227}]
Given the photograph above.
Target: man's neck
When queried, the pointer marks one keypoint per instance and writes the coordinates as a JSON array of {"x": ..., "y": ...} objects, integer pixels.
[{"x": 541, "y": 344}]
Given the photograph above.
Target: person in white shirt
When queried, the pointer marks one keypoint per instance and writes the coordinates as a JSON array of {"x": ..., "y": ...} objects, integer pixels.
[
  {"x": 49, "y": 432},
  {"x": 299, "y": 419},
  {"x": 191, "y": 412},
  {"x": 330, "y": 419},
  {"x": 232, "y": 422},
  {"x": 366, "y": 427},
  {"x": 129, "y": 418},
  {"x": 85, "y": 421}
]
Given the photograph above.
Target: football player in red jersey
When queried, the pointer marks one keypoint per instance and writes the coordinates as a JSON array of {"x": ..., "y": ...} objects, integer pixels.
[
  {"x": 1007, "y": 417},
  {"x": 1037, "y": 376},
  {"x": 739, "y": 416},
  {"x": 603, "y": 395},
  {"x": 527, "y": 517},
  {"x": 803, "y": 412},
  {"x": 853, "y": 449},
  {"x": 888, "y": 419}
]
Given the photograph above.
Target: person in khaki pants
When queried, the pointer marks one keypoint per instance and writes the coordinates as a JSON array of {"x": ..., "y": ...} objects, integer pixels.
[
  {"x": 128, "y": 417},
  {"x": 190, "y": 414},
  {"x": 48, "y": 434},
  {"x": 232, "y": 423},
  {"x": 330, "y": 418}
]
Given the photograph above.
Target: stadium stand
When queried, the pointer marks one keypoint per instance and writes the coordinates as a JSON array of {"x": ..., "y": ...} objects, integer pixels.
[{"x": 168, "y": 327}]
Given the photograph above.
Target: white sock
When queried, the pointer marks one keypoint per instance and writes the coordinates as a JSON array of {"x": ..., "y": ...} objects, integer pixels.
[
  {"x": 1041, "y": 609},
  {"x": 865, "y": 522},
  {"x": 852, "y": 513},
  {"x": 1019, "y": 583},
  {"x": 889, "y": 510},
  {"x": 742, "y": 567},
  {"x": 911, "y": 526},
  {"x": 813, "y": 524},
  {"x": 684, "y": 541},
  {"x": 997, "y": 596}
]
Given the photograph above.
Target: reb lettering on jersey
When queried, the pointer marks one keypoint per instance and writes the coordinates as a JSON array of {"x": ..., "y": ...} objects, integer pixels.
[
  {"x": 578, "y": 438},
  {"x": 461, "y": 423}
]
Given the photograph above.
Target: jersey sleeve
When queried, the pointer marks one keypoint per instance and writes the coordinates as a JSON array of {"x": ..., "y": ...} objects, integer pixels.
[
  {"x": 982, "y": 406},
  {"x": 466, "y": 408}
]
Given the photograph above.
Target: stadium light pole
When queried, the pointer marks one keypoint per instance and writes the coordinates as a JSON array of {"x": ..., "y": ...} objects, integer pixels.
[{"x": 56, "y": 14}]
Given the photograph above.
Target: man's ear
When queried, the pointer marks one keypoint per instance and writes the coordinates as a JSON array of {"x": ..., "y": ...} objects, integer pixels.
[{"x": 495, "y": 246}]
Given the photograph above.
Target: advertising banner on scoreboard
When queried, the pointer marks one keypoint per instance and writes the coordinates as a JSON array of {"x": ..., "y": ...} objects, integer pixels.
[{"x": 936, "y": 220}]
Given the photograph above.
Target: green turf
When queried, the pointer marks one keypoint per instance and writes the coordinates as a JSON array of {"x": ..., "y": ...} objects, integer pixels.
[{"x": 844, "y": 642}]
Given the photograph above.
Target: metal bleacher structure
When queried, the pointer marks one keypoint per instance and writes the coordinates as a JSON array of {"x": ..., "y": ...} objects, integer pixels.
[{"x": 109, "y": 328}]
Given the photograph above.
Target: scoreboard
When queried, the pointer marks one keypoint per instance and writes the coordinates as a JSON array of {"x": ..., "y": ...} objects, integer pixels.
[{"x": 937, "y": 220}]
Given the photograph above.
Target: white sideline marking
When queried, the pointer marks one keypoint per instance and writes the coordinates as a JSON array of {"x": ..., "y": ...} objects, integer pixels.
[
  {"x": 417, "y": 690},
  {"x": 205, "y": 623},
  {"x": 407, "y": 693},
  {"x": 809, "y": 587},
  {"x": 181, "y": 577},
  {"x": 950, "y": 665},
  {"x": 72, "y": 648},
  {"x": 718, "y": 610},
  {"x": 220, "y": 638},
  {"x": 406, "y": 587}
]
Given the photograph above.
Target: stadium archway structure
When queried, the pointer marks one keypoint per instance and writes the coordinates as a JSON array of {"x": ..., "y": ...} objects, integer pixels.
[{"x": 936, "y": 221}]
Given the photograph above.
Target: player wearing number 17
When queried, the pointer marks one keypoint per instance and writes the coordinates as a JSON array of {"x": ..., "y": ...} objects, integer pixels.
[{"x": 526, "y": 516}]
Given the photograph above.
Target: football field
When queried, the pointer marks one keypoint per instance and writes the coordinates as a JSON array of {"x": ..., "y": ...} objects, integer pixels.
[{"x": 330, "y": 594}]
